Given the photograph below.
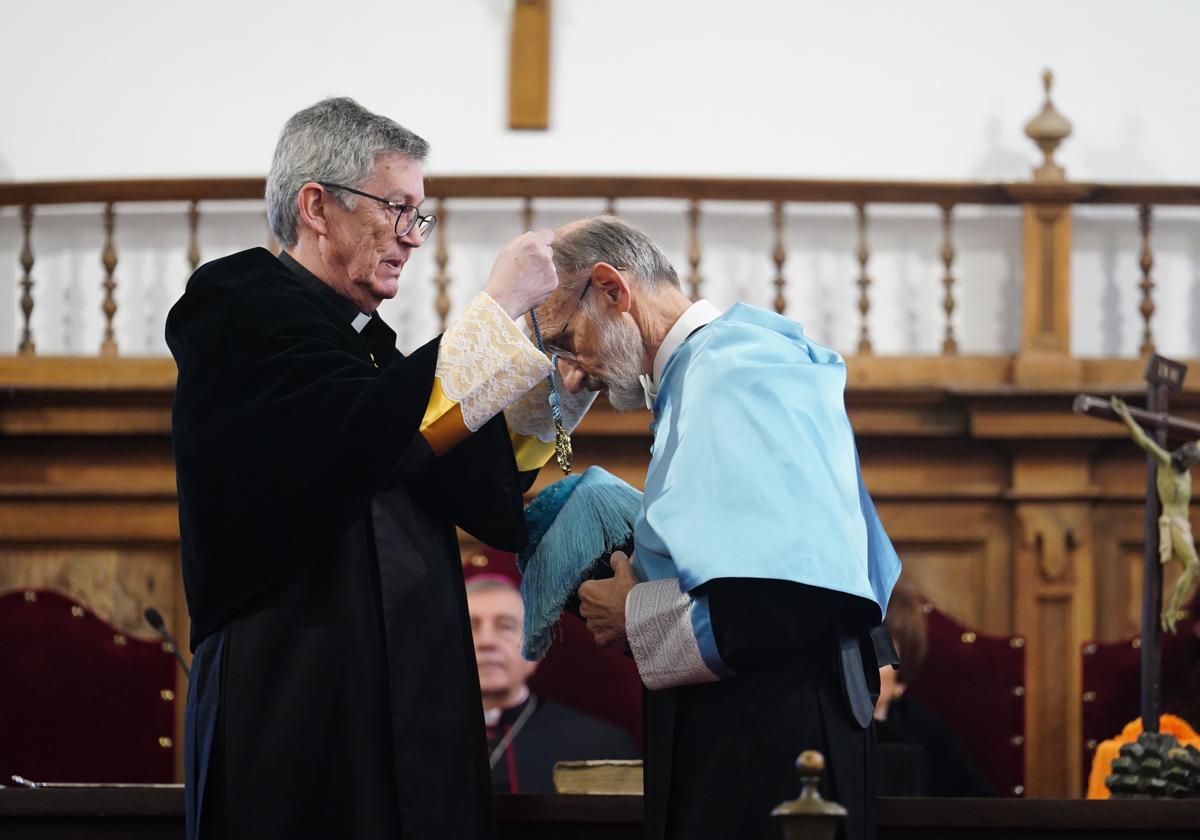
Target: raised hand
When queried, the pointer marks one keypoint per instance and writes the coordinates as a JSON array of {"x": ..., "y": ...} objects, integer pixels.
[{"x": 523, "y": 275}]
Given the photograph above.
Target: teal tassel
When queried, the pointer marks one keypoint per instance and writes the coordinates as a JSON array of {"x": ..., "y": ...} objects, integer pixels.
[{"x": 572, "y": 523}]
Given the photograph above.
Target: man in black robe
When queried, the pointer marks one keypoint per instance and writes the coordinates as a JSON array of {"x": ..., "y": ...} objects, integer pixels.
[
  {"x": 527, "y": 734},
  {"x": 321, "y": 475},
  {"x": 761, "y": 567}
]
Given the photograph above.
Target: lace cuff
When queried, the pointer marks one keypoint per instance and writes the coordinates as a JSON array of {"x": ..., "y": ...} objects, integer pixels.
[
  {"x": 530, "y": 415},
  {"x": 485, "y": 362},
  {"x": 658, "y": 623}
]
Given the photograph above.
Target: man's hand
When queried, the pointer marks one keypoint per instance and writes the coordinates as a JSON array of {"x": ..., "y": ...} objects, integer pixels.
[
  {"x": 523, "y": 276},
  {"x": 602, "y": 602}
]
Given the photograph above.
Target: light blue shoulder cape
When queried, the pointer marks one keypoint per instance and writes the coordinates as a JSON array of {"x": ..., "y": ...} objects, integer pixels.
[{"x": 754, "y": 471}]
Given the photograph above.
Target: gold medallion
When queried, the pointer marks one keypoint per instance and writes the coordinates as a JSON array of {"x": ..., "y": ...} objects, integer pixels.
[{"x": 562, "y": 449}]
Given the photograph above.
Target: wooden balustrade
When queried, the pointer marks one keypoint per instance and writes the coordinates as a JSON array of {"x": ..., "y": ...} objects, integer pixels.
[
  {"x": 26, "y": 347},
  {"x": 1044, "y": 352},
  {"x": 779, "y": 256},
  {"x": 864, "y": 281},
  {"x": 1146, "y": 262},
  {"x": 694, "y": 279},
  {"x": 442, "y": 258},
  {"x": 949, "y": 342}
]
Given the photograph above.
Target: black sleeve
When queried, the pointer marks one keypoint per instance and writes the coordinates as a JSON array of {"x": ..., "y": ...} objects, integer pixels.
[
  {"x": 282, "y": 431},
  {"x": 476, "y": 486}
]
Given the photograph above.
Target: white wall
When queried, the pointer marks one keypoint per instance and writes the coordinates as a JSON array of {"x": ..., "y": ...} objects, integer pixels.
[
  {"x": 920, "y": 89},
  {"x": 912, "y": 89}
]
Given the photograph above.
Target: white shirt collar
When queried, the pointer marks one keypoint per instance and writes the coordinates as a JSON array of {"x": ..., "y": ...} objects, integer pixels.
[
  {"x": 360, "y": 321},
  {"x": 695, "y": 316}
]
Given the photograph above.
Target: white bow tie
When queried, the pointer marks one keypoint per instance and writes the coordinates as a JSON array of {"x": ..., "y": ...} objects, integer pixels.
[{"x": 649, "y": 387}]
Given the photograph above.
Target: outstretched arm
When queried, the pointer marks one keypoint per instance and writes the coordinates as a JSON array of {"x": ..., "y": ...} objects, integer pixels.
[{"x": 1138, "y": 433}]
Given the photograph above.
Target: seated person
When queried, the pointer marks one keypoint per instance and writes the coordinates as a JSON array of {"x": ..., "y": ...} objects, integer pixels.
[
  {"x": 918, "y": 755},
  {"x": 526, "y": 734}
]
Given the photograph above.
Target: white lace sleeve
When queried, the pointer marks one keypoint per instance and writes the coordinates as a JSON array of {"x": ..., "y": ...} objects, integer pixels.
[
  {"x": 530, "y": 415},
  {"x": 658, "y": 624},
  {"x": 485, "y": 362}
]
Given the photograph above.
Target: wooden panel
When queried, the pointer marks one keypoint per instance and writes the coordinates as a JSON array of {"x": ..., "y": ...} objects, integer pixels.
[
  {"x": 959, "y": 555},
  {"x": 117, "y": 584},
  {"x": 1054, "y": 609},
  {"x": 104, "y": 521}
]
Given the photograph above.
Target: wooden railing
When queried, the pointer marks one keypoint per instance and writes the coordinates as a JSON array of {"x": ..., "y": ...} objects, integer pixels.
[{"x": 1044, "y": 354}]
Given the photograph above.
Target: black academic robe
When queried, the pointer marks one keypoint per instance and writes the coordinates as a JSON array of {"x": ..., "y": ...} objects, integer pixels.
[
  {"x": 334, "y": 689},
  {"x": 919, "y": 755},
  {"x": 552, "y": 733},
  {"x": 720, "y": 756}
]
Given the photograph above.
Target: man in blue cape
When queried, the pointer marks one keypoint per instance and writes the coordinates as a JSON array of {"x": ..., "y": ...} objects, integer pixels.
[{"x": 760, "y": 568}]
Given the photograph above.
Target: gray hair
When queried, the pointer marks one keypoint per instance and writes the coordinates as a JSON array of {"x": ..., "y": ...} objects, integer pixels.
[
  {"x": 609, "y": 240},
  {"x": 336, "y": 140}
]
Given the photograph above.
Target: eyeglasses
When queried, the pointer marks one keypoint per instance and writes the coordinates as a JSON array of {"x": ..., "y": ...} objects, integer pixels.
[
  {"x": 556, "y": 350},
  {"x": 408, "y": 216}
]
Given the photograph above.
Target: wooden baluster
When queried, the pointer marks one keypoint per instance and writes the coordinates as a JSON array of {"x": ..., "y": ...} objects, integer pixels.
[
  {"x": 527, "y": 213},
  {"x": 193, "y": 252},
  {"x": 864, "y": 281},
  {"x": 694, "y": 278},
  {"x": 441, "y": 258},
  {"x": 109, "y": 260},
  {"x": 949, "y": 342},
  {"x": 779, "y": 255},
  {"x": 27, "y": 347},
  {"x": 1146, "y": 262},
  {"x": 610, "y": 209}
]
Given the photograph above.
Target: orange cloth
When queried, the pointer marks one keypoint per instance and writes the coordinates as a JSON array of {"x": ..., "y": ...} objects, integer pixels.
[{"x": 1110, "y": 749}]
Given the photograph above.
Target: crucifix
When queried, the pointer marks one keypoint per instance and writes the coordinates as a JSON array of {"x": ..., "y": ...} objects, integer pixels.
[
  {"x": 1167, "y": 480},
  {"x": 529, "y": 66}
]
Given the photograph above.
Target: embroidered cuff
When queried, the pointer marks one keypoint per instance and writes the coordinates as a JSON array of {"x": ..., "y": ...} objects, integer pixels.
[
  {"x": 658, "y": 623},
  {"x": 531, "y": 416},
  {"x": 485, "y": 362}
]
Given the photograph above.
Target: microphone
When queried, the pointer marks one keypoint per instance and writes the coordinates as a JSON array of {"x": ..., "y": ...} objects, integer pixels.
[{"x": 155, "y": 620}]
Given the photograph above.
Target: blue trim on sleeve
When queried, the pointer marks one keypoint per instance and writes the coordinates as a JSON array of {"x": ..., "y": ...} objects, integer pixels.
[{"x": 705, "y": 641}]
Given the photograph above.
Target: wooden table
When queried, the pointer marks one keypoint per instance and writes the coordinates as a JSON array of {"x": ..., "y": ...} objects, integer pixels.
[{"x": 150, "y": 814}]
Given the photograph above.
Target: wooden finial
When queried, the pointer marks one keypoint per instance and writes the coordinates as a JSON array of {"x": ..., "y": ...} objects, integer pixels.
[
  {"x": 808, "y": 816},
  {"x": 1048, "y": 129}
]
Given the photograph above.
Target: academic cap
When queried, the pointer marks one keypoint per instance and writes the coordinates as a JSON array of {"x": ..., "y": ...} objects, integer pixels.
[{"x": 574, "y": 525}]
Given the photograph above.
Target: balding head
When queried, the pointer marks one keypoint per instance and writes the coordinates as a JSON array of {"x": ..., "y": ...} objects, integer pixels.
[{"x": 580, "y": 245}]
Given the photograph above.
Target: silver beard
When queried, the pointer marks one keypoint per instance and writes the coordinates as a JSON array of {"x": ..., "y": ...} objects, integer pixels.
[{"x": 621, "y": 348}]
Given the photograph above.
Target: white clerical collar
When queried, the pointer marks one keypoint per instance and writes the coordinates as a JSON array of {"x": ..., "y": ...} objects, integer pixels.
[
  {"x": 694, "y": 317},
  {"x": 360, "y": 321},
  {"x": 491, "y": 716}
]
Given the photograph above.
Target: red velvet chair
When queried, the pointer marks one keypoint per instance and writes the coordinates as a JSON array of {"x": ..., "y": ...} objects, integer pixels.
[
  {"x": 81, "y": 702},
  {"x": 975, "y": 685},
  {"x": 1112, "y": 684},
  {"x": 575, "y": 672}
]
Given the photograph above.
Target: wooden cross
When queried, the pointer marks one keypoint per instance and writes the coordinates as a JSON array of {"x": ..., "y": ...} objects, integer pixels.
[
  {"x": 529, "y": 66},
  {"x": 1162, "y": 376}
]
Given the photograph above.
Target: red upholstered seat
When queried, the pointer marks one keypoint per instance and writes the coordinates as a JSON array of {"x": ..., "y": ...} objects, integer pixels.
[
  {"x": 81, "y": 702},
  {"x": 575, "y": 672},
  {"x": 975, "y": 685},
  {"x": 1112, "y": 684}
]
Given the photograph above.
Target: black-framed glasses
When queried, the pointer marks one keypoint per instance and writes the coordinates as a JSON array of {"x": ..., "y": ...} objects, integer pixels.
[
  {"x": 555, "y": 350},
  {"x": 408, "y": 216}
]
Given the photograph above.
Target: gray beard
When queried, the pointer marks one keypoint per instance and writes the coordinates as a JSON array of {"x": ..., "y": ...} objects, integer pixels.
[{"x": 621, "y": 348}]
